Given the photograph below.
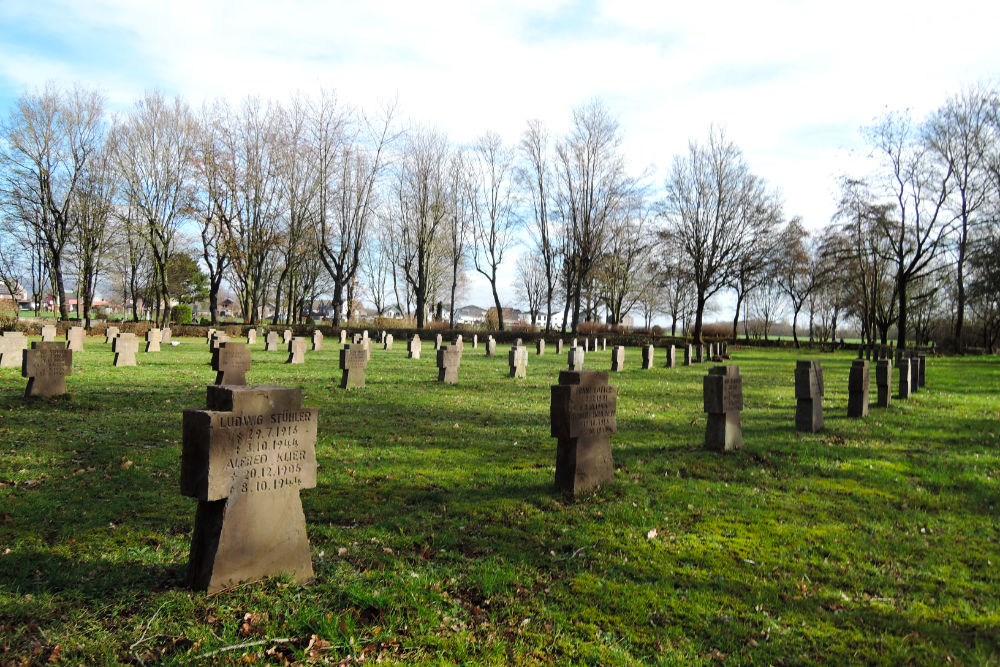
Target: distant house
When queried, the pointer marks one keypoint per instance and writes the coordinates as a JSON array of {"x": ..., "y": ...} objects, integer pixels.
[{"x": 470, "y": 315}]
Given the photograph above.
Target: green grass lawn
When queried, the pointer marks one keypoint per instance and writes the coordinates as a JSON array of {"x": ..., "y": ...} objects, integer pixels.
[{"x": 437, "y": 536}]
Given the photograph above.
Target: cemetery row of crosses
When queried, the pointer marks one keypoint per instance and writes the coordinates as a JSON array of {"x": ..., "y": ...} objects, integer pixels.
[{"x": 250, "y": 451}]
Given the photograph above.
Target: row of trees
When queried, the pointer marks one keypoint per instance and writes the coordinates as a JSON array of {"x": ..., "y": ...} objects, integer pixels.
[{"x": 288, "y": 203}]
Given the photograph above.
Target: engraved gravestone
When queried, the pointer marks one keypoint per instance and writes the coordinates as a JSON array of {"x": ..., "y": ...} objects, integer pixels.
[
  {"x": 245, "y": 458},
  {"x": 12, "y": 344},
  {"x": 575, "y": 358},
  {"x": 353, "y": 361},
  {"x": 617, "y": 358},
  {"x": 491, "y": 347},
  {"x": 414, "y": 348},
  {"x": 296, "y": 351},
  {"x": 517, "y": 359},
  {"x": 723, "y": 396},
  {"x": 883, "y": 379},
  {"x": 125, "y": 346},
  {"x": 271, "y": 342},
  {"x": 582, "y": 412},
  {"x": 49, "y": 333},
  {"x": 671, "y": 357},
  {"x": 387, "y": 342},
  {"x": 110, "y": 333},
  {"x": 448, "y": 360},
  {"x": 46, "y": 366},
  {"x": 74, "y": 338},
  {"x": 317, "y": 340},
  {"x": 905, "y": 378},
  {"x": 153, "y": 338},
  {"x": 809, "y": 392},
  {"x": 251, "y": 337},
  {"x": 540, "y": 347},
  {"x": 286, "y": 336},
  {"x": 231, "y": 361},
  {"x": 647, "y": 357},
  {"x": 858, "y": 387}
]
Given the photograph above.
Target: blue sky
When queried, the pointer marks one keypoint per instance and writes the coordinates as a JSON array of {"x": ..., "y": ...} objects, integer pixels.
[{"x": 791, "y": 81}]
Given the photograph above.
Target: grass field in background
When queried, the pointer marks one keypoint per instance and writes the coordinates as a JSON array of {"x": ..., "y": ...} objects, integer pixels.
[{"x": 437, "y": 536}]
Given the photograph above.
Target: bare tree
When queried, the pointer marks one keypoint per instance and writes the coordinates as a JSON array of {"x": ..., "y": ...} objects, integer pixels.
[
  {"x": 457, "y": 226},
  {"x": 531, "y": 285},
  {"x": 620, "y": 276},
  {"x": 536, "y": 177},
  {"x": 49, "y": 139},
  {"x": 93, "y": 209},
  {"x": 794, "y": 270}
]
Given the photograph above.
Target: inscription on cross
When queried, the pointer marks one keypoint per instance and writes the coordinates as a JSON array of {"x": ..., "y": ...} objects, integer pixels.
[
  {"x": 74, "y": 338},
  {"x": 46, "y": 366},
  {"x": 125, "y": 345},
  {"x": 231, "y": 361},
  {"x": 353, "y": 361},
  {"x": 271, "y": 341},
  {"x": 245, "y": 458},
  {"x": 153, "y": 339},
  {"x": 583, "y": 412},
  {"x": 723, "y": 395},
  {"x": 448, "y": 360}
]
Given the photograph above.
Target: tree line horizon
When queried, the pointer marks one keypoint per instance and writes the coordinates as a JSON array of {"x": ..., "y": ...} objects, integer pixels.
[{"x": 286, "y": 202}]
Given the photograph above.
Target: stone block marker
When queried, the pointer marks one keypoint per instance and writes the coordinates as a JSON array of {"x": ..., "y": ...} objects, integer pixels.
[
  {"x": 317, "y": 340},
  {"x": 153, "y": 339},
  {"x": 231, "y": 361},
  {"x": 208, "y": 336},
  {"x": 387, "y": 342},
  {"x": 905, "y": 378},
  {"x": 437, "y": 342},
  {"x": 459, "y": 344},
  {"x": 110, "y": 333},
  {"x": 723, "y": 395},
  {"x": 858, "y": 387},
  {"x": 46, "y": 366},
  {"x": 921, "y": 369},
  {"x": 74, "y": 338},
  {"x": 252, "y": 337},
  {"x": 475, "y": 341},
  {"x": 559, "y": 346},
  {"x": 413, "y": 351},
  {"x": 617, "y": 359},
  {"x": 687, "y": 355},
  {"x": 296, "y": 351},
  {"x": 353, "y": 361},
  {"x": 647, "y": 357},
  {"x": 448, "y": 360},
  {"x": 218, "y": 338},
  {"x": 604, "y": 344},
  {"x": 809, "y": 392},
  {"x": 671, "y": 357},
  {"x": 883, "y": 379},
  {"x": 49, "y": 333},
  {"x": 12, "y": 344},
  {"x": 245, "y": 458},
  {"x": 286, "y": 336},
  {"x": 540, "y": 347},
  {"x": 582, "y": 412},
  {"x": 517, "y": 359},
  {"x": 166, "y": 335},
  {"x": 271, "y": 342},
  {"x": 343, "y": 336},
  {"x": 125, "y": 345},
  {"x": 491, "y": 347},
  {"x": 575, "y": 358}
]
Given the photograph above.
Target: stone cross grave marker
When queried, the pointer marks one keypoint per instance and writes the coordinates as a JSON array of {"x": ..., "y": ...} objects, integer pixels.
[
  {"x": 125, "y": 345},
  {"x": 286, "y": 336},
  {"x": 317, "y": 340},
  {"x": 921, "y": 370},
  {"x": 46, "y": 366},
  {"x": 459, "y": 344},
  {"x": 74, "y": 338},
  {"x": 343, "y": 337},
  {"x": 49, "y": 333},
  {"x": 437, "y": 342},
  {"x": 671, "y": 357},
  {"x": 723, "y": 395},
  {"x": 245, "y": 458},
  {"x": 905, "y": 378},
  {"x": 153, "y": 338},
  {"x": 491, "y": 347},
  {"x": 559, "y": 346},
  {"x": 647, "y": 356},
  {"x": 271, "y": 342},
  {"x": 251, "y": 337},
  {"x": 208, "y": 336},
  {"x": 166, "y": 336},
  {"x": 356, "y": 339},
  {"x": 218, "y": 338},
  {"x": 582, "y": 412},
  {"x": 687, "y": 355},
  {"x": 858, "y": 387},
  {"x": 883, "y": 379},
  {"x": 110, "y": 333},
  {"x": 617, "y": 358},
  {"x": 448, "y": 360},
  {"x": 699, "y": 351},
  {"x": 540, "y": 347},
  {"x": 387, "y": 343},
  {"x": 575, "y": 358},
  {"x": 231, "y": 361},
  {"x": 12, "y": 344},
  {"x": 413, "y": 351},
  {"x": 604, "y": 344},
  {"x": 353, "y": 361},
  {"x": 475, "y": 341},
  {"x": 517, "y": 359},
  {"x": 809, "y": 392},
  {"x": 296, "y": 351}
]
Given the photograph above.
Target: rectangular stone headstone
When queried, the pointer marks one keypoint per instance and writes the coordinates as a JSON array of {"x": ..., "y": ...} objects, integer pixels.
[
  {"x": 448, "y": 360},
  {"x": 491, "y": 347},
  {"x": 582, "y": 412},
  {"x": 809, "y": 392},
  {"x": 49, "y": 333},
  {"x": 166, "y": 335},
  {"x": 245, "y": 458},
  {"x": 540, "y": 347},
  {"x": 413, "y": 351},
  {"x": 125, "y": 346},
  {"x": 617, "y": 358},
  {"x": 559, "y": 346},
  {"x": 387, "y": 342},
  {"x": 723, "y": 396},
  {"x": 110, "y": 333},
  {"x": 575, "y": 358},
  {"x": 153, "y": 338},
  {"x": 604, "y": 344},
  {"x": 74, "y": 338},
  {"x": 858, "y": 387},
  {"x": 921, "y": 369},
  {"x": 317, "y": 340},
  {"x": 671, "y": 357},
  {"x": 905, "y": 378},
  {"x": 475, "y": 341},
  {"x": 883, "y": 379},
  {"x": 12, "y": 344},
  {"x": 647, "y": 357},
  {"x": 353, "y": 361},
  {"x": 46, "y": 366},
  {"x": 296, "y": 351},
  {"x": 271, "y": 341},
  {"x": 231, "y": 361},
  {"x": 437, "y": 342},
  {"x": 286, "y": 336},
  {"x": 517, "y": 359},
  {"x": 251, "y": 337},
  {"x": 343, "y": 336}
]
